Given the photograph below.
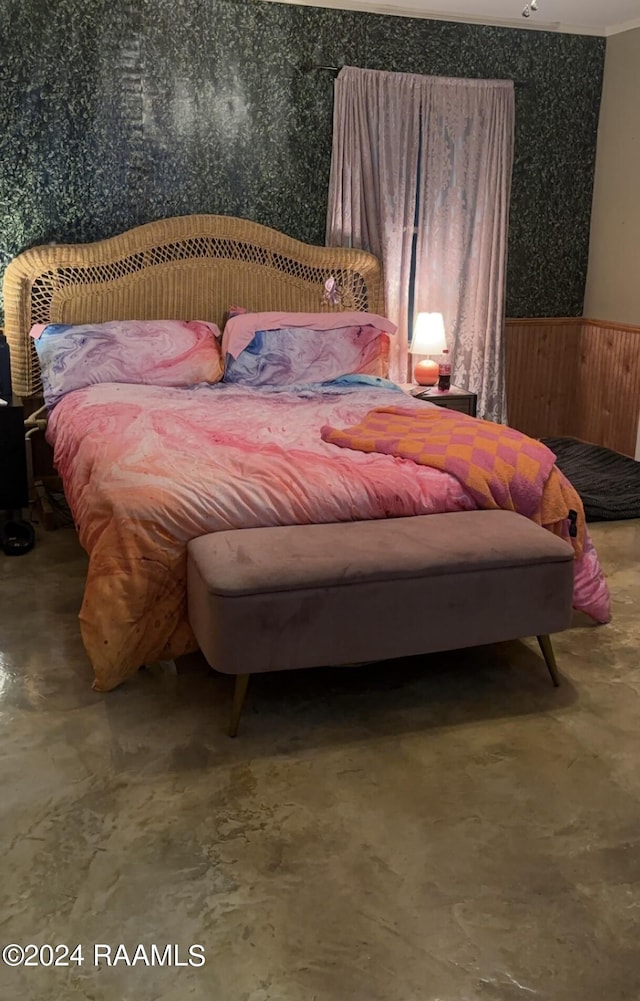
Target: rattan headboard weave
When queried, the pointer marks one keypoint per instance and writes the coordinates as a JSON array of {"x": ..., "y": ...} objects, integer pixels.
[{"x": 188, "y": 267}]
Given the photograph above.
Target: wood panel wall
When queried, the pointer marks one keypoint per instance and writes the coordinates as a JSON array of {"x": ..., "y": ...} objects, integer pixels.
[
  {"x": 608, "y": 399},
  {"x": 576, "y": 377},
  {"x": 540, "y": 358}
]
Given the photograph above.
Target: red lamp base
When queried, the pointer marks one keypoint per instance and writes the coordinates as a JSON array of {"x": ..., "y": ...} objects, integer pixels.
[{"x": 426, "y": 372}]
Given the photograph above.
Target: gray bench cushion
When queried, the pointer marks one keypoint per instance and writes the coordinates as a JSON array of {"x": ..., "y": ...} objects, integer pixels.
[{"x": 309, "y": 595}]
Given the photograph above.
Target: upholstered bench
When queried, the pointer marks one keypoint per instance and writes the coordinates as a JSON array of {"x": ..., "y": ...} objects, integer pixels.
[{"x": 268, "y": 599}]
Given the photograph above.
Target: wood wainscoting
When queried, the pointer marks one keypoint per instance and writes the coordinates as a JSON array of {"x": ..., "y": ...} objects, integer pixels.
[{"x": 574, "y": 376}]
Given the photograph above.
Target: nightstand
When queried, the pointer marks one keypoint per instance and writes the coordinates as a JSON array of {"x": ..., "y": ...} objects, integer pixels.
[
  {"x": 453, "y": 398},
  {"x": 14, "y": 491}
]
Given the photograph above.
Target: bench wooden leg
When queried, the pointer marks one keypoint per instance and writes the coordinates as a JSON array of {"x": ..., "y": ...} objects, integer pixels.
[
  {"x": 550, "y": 659},
  {"x": 239, "y": 695}
]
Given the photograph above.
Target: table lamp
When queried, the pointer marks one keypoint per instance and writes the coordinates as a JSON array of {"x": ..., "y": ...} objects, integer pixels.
[{"x": 428, "y": 339}]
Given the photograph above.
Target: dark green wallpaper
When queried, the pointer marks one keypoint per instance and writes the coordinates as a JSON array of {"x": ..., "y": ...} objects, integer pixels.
[{"x": 117, "y": 112}]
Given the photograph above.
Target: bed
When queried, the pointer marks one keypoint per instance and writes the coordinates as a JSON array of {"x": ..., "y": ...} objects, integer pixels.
[{"x": 148, "y": 465}]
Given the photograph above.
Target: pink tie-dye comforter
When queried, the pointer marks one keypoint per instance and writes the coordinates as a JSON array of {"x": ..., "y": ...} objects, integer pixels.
[{"x": 146, "y": 469}]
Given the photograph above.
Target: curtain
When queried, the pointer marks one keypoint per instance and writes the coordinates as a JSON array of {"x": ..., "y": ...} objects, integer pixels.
[
  {"x": 453, "y": 176},
  {"x": 373, "y": 182},
  {"x": 463, "y": 215}
]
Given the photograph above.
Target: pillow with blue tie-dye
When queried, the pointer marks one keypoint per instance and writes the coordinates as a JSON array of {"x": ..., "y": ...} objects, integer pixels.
[
  {"x": 286, "y": 349},
  {"x": 148, "y": 352}
]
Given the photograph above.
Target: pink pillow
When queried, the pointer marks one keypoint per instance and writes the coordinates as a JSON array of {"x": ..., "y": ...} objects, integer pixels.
[
  {"x": 296, "y": 349},
  {"x": 241, "y": 327}
]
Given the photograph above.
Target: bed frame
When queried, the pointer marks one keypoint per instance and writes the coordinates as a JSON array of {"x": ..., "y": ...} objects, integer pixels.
[
  {"x": 187, "y": 268},
  {"x": 196, "y": 267}
]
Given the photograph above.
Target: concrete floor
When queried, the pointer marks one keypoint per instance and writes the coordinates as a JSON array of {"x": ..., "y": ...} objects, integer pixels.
[{"x": 449, "y": 828}]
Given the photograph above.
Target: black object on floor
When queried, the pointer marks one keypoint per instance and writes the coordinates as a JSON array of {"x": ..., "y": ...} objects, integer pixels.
[
  {"x": 607, "y": 481},
  {"x": 17, "y": 537}
]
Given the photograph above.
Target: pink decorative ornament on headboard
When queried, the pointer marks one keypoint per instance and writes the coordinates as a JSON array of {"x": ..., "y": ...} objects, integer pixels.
[{"x": 331, "y": 293}]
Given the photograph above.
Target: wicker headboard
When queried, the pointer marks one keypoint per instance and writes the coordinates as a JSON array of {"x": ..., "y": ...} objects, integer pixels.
[{"x": 189, "y": 267}]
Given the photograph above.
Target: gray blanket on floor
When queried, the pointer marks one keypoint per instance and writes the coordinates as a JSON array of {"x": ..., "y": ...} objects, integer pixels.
[{"x": 608, "y": 482}]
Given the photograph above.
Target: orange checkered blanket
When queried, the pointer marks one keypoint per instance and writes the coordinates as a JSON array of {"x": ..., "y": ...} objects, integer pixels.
[{"x": 501, "y": 467}]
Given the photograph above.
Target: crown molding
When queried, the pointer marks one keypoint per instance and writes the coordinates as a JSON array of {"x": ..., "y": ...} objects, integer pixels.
[
  {"x": 520, "y": 24},
  {"x": 617, "y": 29},
  {"x": 393, "y": 10}
]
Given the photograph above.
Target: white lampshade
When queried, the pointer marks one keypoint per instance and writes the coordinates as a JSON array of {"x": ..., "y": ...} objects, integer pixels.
[{"x": 428, "y": 335}]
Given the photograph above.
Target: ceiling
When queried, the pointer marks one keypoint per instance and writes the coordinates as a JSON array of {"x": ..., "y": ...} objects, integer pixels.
[{"x": 584, "y": 17}]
